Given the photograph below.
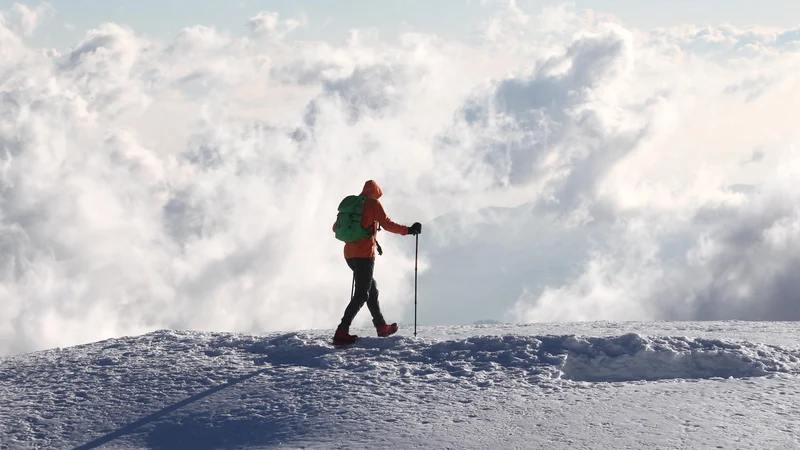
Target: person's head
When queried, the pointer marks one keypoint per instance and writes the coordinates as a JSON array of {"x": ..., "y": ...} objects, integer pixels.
[{"x": 371, "y": 189}]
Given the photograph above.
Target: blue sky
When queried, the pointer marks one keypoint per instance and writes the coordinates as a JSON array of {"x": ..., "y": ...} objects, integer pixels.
[{"x": 329, "y": 20}]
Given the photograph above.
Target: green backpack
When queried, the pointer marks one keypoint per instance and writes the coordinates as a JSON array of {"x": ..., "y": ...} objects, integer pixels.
[{"x": 348, "y": 221}]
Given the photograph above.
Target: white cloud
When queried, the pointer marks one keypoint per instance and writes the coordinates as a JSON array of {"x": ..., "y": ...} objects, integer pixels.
[
  {"x": 192, "y": 183},
  {"x": 727, "y": 40},
  {"x": 268, "y": 24},
  {"x": 24, "y": 20}
]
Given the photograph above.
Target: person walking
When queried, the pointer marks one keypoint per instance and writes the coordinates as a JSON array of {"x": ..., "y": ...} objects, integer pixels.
[{"x": 360, "y": 219}]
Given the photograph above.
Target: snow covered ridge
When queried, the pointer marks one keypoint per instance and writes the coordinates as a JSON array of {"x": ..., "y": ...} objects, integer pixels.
[
  {"x": 181, "y": 389},
  {"x": 479, "y": 359}
]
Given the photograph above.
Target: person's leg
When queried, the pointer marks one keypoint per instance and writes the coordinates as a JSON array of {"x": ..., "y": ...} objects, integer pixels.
[
  {"x": 374, "y": 306},
  {"x": 362, "y": 271}
]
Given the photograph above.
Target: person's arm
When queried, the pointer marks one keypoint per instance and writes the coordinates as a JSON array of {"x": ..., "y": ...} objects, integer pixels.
[{"x": 387, "y": 223}]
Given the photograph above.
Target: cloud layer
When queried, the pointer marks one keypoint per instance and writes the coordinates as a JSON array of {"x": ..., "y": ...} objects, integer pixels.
[{"x": 192, "y": 183}]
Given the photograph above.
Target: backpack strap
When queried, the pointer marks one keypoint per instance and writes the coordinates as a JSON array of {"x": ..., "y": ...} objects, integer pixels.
[{"x": 377, "y": 245}]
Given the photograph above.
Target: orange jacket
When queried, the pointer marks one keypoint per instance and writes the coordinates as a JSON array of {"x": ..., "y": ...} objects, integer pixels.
[{"x": 373, "y": 213}]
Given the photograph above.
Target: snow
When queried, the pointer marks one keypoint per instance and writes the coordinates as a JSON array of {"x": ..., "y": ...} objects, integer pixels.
[{"x": 598, "y": 385}]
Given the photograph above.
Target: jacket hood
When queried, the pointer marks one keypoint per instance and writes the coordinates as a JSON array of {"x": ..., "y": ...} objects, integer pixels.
[{"x": 371, "y": 189}]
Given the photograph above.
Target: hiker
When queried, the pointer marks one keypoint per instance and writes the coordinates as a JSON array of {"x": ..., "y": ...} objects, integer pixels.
[{"x": 359, "y": 252}]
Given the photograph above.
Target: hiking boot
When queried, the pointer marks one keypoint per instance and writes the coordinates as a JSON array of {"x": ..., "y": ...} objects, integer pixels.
[
  {"x": 386, "y": 330},
  {"x": 344, "y": 338}
]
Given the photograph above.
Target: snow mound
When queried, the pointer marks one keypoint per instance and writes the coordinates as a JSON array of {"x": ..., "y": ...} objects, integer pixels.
[
  {"x": 183, "y": 389},
  {"x": 633, "y": 357},
  {"x": 484, "y": 359}
]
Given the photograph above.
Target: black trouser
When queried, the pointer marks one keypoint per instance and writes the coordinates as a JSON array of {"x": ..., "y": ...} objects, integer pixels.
[{"x": 366, "y": 291}]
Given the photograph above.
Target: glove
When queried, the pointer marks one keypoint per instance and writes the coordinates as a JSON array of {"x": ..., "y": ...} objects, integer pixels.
[{"x": 415, "y": 229}]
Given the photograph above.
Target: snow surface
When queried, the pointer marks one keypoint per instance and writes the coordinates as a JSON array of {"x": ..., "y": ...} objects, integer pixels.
[{"x": 601, "y": 385}]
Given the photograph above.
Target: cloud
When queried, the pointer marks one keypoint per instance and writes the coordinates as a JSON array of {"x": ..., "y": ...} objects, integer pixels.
[
  {"x": 24, "y": 20},
  {"x": 565, "y": 167},
  {"x": 267, "y": 24},
  {"x": 697, "y": 233},
  {"x": 727, "y": 41},
  {"x": 726, "y": 263}
]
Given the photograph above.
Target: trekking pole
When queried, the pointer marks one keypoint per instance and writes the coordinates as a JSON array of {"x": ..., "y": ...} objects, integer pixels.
[{"x": 416, "y": 258}]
